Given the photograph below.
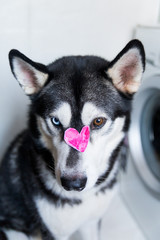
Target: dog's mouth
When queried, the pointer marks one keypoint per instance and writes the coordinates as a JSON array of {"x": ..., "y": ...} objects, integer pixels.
[{"x": 73, "y": 183}]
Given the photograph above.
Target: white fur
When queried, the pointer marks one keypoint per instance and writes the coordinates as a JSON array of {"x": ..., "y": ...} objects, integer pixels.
[
  {"x": 63, "y": 113},
  {"x": 90, "y": 111},
  {"x": 25, "y": 74},
  {"x": 90, "y": 231},
  {"x": 11, "y": 234},
  {"x": 64, "y": 220}
]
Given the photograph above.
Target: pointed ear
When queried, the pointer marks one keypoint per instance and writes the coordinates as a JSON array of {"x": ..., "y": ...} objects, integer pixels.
[
  {"x": 127, "y": 68},
  {"x": 30, "y": 75}
]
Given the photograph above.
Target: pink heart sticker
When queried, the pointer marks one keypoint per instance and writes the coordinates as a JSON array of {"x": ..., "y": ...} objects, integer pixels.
[{"x": 78, "y": 141}]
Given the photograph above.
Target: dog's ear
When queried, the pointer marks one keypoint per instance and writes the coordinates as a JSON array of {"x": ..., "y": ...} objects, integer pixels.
[
  {"x": 127, "y": 68},
  {"x": 30, "y": 75}
]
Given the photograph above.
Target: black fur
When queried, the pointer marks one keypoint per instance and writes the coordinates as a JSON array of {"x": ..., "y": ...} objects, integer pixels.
[
  {"x": 2, "y": 236},
  {"x": 79, "y": 79},
  {"x": 72, "y": 158},
  {"x": 113, "y": 158}
]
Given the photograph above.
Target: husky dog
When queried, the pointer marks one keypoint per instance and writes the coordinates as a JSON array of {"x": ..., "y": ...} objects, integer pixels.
[{"x": 60, "y": 174}]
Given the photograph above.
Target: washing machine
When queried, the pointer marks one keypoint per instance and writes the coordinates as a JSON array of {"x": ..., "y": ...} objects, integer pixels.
[{"x": 140, "y": 184}]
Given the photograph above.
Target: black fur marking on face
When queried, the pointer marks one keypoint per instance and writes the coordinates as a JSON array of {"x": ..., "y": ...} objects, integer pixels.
[
  {"x": 110, "y": 185},
  {"x": 72, "y": 158},
  {"x": 112, "y": 160}
]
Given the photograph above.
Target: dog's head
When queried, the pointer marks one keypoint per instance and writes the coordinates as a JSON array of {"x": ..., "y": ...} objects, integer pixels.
[{"x": 77, "y": 92}]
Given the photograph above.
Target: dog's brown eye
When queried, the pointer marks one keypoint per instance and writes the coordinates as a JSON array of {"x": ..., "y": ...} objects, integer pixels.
[{"x": 98, "y": 122}]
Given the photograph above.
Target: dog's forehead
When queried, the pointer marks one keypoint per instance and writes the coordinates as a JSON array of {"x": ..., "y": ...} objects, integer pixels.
[
  {"x": 76, "y": 73},
  {"x": 78, "y": 80},
  {"x": 92, "y": 102}
]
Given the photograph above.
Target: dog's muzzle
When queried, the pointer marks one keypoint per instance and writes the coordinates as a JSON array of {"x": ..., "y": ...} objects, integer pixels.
[{"x": 73, "y": 183}]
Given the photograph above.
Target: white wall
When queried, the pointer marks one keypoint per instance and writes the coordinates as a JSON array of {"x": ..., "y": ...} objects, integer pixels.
[{"x": 47, "y": 29}]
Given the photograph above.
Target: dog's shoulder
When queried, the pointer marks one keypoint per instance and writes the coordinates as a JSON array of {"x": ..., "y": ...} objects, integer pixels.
[{"x": 16, "y": 208}]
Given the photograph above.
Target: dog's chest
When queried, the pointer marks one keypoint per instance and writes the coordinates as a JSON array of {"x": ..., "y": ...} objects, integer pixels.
[{"x": 63, "y": 221}]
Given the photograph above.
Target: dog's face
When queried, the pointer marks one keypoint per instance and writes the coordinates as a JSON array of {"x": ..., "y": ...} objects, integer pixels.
[{"x": 74, "y": 92}]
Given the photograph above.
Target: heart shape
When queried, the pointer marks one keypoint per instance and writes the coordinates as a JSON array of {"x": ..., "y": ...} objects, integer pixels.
[{"x": 78, "y": 141}]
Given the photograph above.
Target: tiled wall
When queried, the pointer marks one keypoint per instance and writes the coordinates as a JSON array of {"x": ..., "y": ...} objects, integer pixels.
[{"x": 47, "y": 29}]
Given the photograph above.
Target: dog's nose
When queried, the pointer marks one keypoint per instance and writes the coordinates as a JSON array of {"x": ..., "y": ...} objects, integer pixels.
[{"x": 73, "y": 183}]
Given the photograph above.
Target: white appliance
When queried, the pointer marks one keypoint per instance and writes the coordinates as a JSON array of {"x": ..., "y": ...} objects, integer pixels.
[{"x": 140, "y": 185}]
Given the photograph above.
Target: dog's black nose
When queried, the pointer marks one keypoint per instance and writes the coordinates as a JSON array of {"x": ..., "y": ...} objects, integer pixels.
[{"x": 73, "y": 183}]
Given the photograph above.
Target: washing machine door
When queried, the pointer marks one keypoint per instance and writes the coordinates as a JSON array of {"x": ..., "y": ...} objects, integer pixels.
[{"x": 144, "y": 134}]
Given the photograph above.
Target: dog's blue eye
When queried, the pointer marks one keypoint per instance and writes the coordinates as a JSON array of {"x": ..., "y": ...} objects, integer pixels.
[{"x": 55, "y": 121}]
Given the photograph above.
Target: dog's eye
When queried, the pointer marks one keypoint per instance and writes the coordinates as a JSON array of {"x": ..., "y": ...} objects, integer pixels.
[
  {"x": 98, "y": 122},
  {"x": 55, "y": 121}
]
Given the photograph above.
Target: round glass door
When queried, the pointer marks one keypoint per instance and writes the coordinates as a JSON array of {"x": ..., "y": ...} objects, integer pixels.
[
  {"x": 144, "y": 133},
  {"x": 150, "y": 133}
]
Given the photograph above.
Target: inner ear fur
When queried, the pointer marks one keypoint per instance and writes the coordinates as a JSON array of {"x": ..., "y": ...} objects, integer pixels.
[
  {"x": 127, "y": 68},
  {"x": 31, "y": 76}
]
